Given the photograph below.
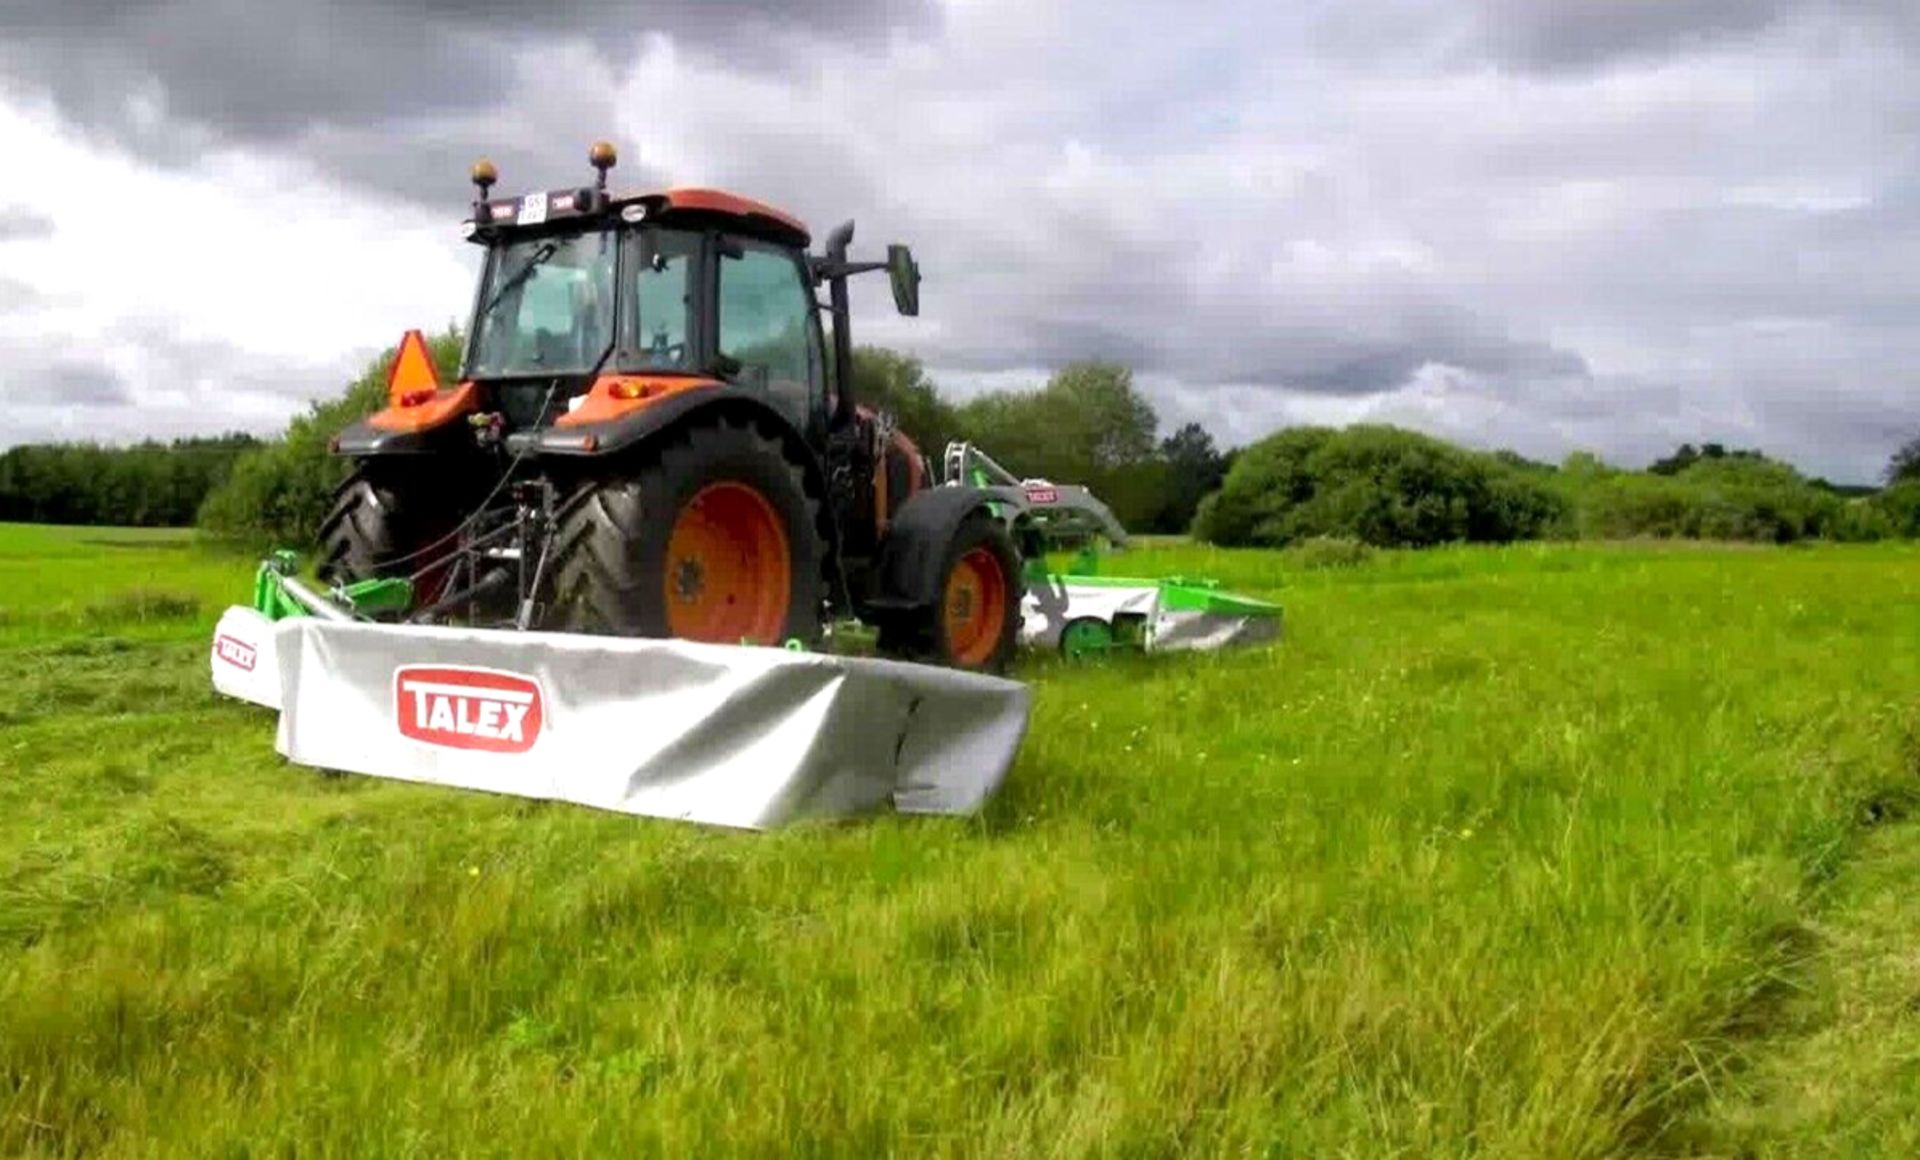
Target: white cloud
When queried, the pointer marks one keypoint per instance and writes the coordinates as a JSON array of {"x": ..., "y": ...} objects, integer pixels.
[{"x": 223, "y": 295}]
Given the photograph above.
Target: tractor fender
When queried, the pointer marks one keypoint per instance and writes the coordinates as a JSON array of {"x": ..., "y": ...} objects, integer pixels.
[
  {"x": 614, "y": 435},
  {"x": 371, "y": 436},
  {"x": 908, "y": 573},
  {"x": 582, "y": 443},
  {"x": 361, "y": 440}
]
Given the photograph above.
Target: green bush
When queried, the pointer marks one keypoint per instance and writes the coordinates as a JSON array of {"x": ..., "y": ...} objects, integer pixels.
[
  {"x": 1732, "y": 498},
  {"x": 1378, "y": 485},
  {"x": 1899, "y": 507},
  {"x": 278, "y": 493},
  {"x": 1860, "y": 521}
]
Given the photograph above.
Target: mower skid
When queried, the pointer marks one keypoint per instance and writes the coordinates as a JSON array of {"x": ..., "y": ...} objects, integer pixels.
[
  {"x": 245, "y": 657},
  {"x": 720, "y": 734}
]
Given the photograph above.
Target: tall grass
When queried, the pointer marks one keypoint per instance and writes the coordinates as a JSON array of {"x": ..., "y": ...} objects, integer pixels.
[{"x": 1508, "y": 851}]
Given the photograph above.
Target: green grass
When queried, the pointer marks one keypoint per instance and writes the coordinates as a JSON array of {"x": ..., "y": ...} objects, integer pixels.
[{"x": 1557, "y": 851}]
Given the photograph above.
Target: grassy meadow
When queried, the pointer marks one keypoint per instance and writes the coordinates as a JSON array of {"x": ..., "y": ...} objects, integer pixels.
[{"x": 1535, "y": 851}]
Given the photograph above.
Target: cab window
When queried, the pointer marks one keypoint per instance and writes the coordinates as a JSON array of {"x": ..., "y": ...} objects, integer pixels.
[
  {"x": 766, "y": 326},
  {"x": 545, "y": 307},
  {"x": 658, "y": 301}
]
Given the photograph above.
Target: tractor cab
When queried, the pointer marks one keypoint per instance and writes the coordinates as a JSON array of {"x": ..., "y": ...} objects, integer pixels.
[{"x": 588, "y": 300}]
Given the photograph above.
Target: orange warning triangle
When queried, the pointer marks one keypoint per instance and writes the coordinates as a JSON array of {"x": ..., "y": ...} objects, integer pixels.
[{"x": 412, "y": 370}]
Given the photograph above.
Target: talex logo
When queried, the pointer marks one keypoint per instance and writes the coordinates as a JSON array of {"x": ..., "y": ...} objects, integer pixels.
[
  {"x": 1039, "y": 493},
  {"x": 237, "y": 653},
  {"x": 467, "y": 708}
]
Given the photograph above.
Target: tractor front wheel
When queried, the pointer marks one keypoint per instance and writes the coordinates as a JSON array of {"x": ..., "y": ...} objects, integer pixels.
[
  {"x": 974, "y": 622},
  {"x": 713, "y": 538}
]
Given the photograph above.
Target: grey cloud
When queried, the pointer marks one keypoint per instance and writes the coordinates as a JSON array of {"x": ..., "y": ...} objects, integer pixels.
[
  {"x": 15, "y": 295},
  {"x": 213, "y": 370},
  {"x": 20, "y": 224},
  {"x": 427, "y": 163},
  {"x": 1554, "y": 35},
  {"x": 1580, "y": 33},
  {"x": 153, "y": 380},
  {"x": 1125, "y": 301},
  {"x": 74, "y": 384},
  {"x": 376, "y": 81}
]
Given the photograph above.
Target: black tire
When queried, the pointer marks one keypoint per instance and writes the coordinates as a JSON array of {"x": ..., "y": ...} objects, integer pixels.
[
  {"x": 377, "y": 523},
  {"x": 609, "y": 562},
  {"x": 924, "y": 635}
]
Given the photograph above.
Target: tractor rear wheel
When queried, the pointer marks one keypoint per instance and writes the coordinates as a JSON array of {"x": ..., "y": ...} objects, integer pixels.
[
  {"x": 378, "y": 522},
  {"x": 975, "y": 622},
  {"x": 714, "y": 538}
]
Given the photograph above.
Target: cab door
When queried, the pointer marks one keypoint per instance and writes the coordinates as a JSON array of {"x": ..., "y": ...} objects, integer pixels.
[{"x": 768, "y": 326}]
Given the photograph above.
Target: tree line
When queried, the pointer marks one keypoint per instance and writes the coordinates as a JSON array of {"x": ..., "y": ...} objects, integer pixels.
[
  {"x": 1393, "y": 488},
  {"x": 1089, "y": 424},
  {"x": 149, "y": 484}
]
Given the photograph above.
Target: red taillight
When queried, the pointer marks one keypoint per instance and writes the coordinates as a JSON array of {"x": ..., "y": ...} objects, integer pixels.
[{"x": 416, "y": 398}]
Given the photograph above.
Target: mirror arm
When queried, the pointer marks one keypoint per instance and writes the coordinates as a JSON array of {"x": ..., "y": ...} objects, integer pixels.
[{"x": 825, "y": 270}]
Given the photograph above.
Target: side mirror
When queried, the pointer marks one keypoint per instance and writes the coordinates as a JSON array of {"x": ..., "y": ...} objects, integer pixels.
[{"x": 904, "y": 273}]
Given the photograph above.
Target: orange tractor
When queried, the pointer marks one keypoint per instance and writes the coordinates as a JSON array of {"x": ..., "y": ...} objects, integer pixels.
[{"x": 655, "y": 434}]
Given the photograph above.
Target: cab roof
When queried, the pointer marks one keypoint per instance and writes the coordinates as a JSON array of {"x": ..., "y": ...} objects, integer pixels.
[{"x": 685, "y": 202}]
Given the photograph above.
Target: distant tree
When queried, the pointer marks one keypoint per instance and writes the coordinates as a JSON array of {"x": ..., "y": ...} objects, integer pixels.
[
  {"x": 1905, "y": 464},
  {"x": 1100, "y": 419},
  {"x": 1520, "y": 462},
  {"x": 1686, "y": 456},
  {"x": 1088, "y": 425},
  {"x": 896, "y": 383},
  {"x": 1194, "y": 469}
]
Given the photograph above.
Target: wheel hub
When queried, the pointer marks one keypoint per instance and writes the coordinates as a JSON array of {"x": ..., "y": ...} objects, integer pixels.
[{"x": 689, "y": 578}]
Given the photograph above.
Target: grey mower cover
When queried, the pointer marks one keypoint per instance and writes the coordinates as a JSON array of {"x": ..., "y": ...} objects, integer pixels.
[{"x": 721, "y": 734}]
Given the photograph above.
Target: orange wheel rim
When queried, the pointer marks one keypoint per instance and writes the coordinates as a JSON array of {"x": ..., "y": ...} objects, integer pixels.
[
  {"x": 975, "y": 612},
  {"x": 728, "y": 576}
]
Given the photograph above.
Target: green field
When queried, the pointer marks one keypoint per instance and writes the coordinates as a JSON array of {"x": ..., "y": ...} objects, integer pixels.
[{"x": 1538, "y": 851}]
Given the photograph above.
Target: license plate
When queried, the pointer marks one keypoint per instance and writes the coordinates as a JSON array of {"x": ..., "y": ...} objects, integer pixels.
[{"x": 533, "y": 209}]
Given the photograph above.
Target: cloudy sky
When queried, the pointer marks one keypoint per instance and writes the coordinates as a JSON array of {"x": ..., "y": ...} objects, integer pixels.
[{"x": 1543, "y": 224}]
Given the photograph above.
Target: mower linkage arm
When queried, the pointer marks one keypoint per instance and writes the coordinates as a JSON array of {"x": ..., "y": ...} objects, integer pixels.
[{"x": 1055, "y": 510}]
